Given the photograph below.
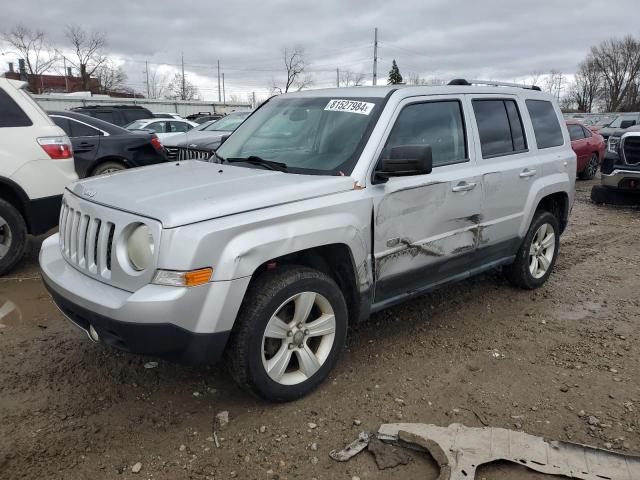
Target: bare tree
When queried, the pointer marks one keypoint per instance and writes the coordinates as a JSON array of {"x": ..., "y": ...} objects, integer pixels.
[
  {"x": 554, "y": 83},
  {"x": 176, "y": 91},
  {"x": 534, "y": 79},
  {"x": 157, "y": 87},
  {"x": 586, "y": 87},
  {"x": 112, "y": 78},
  {"x": 33, "y": 47},
  {"x": 618, "y": 61},
  {"x": 351, "y": 79},
  {"x": 88, "y": 49},
  {"x": 295, "y": 65}
]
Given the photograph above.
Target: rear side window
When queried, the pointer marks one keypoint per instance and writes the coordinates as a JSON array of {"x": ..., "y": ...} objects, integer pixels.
[
  {"x": 500, "y": 127},
  {"x": 106, "y": 116},
  {"x": 575, "y": 132},
  {"x": 63, "y": 123},
  {"x": 545, "y": 123},
  {"x": 134, "y": 114},
  {"x": 11, "y": 115},
  {"x": 81, "y": 130},
  {"x": 438, "y": 124}
]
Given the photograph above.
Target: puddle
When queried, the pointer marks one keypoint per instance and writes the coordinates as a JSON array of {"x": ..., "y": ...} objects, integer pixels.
[{"x": 24, "y": 302}]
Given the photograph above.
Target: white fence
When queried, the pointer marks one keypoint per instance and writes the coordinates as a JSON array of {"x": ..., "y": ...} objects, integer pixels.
[{"x": 181, "y": 107}]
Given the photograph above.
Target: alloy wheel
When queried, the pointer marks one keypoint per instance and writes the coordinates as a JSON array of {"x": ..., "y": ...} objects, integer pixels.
[
  {"x": 298, "y": 338},
  {"x": 592, "y": 166},
  {"x": 542, "y": 250},
  {"x": 5, "y": 237}
]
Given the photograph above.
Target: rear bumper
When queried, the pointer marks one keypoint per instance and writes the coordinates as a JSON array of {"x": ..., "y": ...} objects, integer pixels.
[
  {"x": 43, "y": 214},
  {"x": 622, "y": 179}
]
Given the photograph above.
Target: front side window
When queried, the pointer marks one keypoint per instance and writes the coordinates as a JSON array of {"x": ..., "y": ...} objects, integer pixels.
[
  {"x": 438, "y": 124},
  {"x": 499, "y": 126},
  {"x": 11, "y": 115},
  {"x": 545, "y": 123},
  {"x": 314, "y": 135},
  {"x": 179, "y": 127},
  {"x": 158, "y": 127}
]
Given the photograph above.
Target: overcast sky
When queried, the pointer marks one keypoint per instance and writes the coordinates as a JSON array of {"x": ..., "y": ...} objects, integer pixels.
[{"x": 434, "y": 38}]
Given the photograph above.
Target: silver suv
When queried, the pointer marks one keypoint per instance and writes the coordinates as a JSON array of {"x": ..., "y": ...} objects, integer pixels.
[{"x": 323, "y": 207}]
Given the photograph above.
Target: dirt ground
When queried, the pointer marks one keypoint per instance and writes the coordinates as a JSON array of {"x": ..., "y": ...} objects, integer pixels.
[{"x": 561, "y": 362}]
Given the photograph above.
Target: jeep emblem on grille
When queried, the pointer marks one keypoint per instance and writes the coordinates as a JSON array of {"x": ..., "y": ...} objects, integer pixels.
[
  {"x": 193, "y": 145},
  {"x": 89, "y": 193}
]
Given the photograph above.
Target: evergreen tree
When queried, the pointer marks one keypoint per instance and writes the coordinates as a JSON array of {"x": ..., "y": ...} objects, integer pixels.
[{"x": 394, "y": 74}]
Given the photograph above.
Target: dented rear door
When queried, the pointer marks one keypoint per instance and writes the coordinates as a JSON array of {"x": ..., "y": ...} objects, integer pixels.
[{"x": 427, "y": 227}]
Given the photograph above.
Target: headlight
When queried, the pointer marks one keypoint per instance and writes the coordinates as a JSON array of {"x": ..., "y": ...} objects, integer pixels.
[
  {"x": 140, "y": 248},
  {"x": 612, "y": 144}
]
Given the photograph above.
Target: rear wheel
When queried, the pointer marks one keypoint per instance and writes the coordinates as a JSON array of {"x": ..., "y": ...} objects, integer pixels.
[
  {"x": 108, "y": 167},
  {"x": 289, "y": 333},
  {"x": 13, "y": 236},
  {"x": 591, "y": 169},
  {"x": 537, "y": 254}
]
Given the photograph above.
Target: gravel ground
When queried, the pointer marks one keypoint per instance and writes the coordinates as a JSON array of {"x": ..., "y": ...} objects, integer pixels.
[{"x": 560, "y": 362}]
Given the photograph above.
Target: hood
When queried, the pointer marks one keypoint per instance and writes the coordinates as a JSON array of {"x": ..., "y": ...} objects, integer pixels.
[
  {"x": 619, "y": 132},
  {"x": 202, "y": 140},
  {"x": 192, "y": 191}
]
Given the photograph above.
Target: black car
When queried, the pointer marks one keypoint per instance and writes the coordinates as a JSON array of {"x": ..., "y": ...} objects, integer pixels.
[
  {"x": 120, "y": 115},
  {"x": 100, "y": 147}
]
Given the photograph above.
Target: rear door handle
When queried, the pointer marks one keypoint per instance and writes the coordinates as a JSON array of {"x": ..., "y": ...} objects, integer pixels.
[
  {"x": 464, "y": 187},
  {"x": 527, "y": 173}
]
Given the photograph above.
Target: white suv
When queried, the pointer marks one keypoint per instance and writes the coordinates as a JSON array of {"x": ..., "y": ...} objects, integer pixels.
[{"x": 36, "y": 163}]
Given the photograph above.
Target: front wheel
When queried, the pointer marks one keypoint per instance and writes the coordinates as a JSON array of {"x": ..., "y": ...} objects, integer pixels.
[
  {"x": 591, "y": 169},
  {"x": 537, "y": 254},
  {"x": 13, "y": 236},
  {"x": 289, "y": 332}
]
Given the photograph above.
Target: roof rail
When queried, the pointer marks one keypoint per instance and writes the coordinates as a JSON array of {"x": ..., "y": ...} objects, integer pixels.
[{"x": 462, "y": 81}]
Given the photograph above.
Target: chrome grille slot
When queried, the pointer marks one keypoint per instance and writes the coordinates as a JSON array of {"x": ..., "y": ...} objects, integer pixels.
[{"x": 86, "y": 242}]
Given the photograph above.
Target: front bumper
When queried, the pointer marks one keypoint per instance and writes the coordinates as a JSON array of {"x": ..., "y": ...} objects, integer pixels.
[
  {"x": 191, "y": 324},
  {"x": 623, "y": 179}
]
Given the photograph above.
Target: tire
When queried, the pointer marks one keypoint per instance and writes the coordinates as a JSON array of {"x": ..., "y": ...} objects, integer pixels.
[
  {"x": 613, "y": 196},
  {"x": 521, "y": 272},
  {"x": 13, "y": 236},
  {"x": 590, "y": 169},
  {"x": 270, "y": 365},
  {"x": 108, "y": 167}
]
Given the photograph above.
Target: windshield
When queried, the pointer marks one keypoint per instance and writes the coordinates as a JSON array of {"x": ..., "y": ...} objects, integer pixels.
[
  {"x": 309, "y": 135},
  {"x": 621, "y": 118},
  {"x": 226, "y": 124}
]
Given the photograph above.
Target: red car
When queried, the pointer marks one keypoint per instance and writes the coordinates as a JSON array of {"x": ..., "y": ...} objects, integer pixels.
[{"x": 589, "y": 147}]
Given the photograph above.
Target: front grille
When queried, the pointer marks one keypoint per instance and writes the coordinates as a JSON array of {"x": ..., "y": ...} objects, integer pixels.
[
  {"x": 180, "y": 153},
  {"x": 86, "y": 241},
  {"x": 632, "y": 150}
]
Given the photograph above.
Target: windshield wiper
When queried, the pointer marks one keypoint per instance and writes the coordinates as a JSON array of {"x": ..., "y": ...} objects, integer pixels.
[{"x": 254, "y": 160}]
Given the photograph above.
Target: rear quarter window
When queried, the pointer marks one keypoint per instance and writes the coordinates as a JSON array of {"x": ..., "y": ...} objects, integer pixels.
[
  {"x": 132, "y": 115},
  {"x": 11, "y": 115},
  {"x": 545, "y": 124}
]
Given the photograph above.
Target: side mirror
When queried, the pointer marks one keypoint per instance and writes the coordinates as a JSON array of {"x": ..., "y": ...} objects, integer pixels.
[
  {"x": 403, "y": 161},
  {"x": 627, "y": 123}
]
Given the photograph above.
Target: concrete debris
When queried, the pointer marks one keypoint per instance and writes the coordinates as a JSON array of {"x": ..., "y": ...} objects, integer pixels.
[
  {"x": 459, "y": 451},
  {"x": 136, "y": 467},
  {"x": 222, "y": 419}
]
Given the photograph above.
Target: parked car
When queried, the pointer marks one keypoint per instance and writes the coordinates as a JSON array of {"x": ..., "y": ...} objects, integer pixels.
[
  {"x": 202, "y": 117},
  {"x": 120, "y": 115},
  {"x": 620, "y": 122},
  {"x": 162, "y": 127},
  {"x": 101, "y": 147},
  {"x": 202, "y": 141},
  {"x": 621, "y": 169},
  {"x": 325, "y": 206},
  {"x": 36, "y": 163},
  {"x": 167, "y": 115},
  {"x": 589, "y": 148}
]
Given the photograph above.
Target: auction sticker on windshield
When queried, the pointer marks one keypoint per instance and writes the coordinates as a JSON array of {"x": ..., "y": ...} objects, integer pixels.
[{"x": 352, "y": 106}]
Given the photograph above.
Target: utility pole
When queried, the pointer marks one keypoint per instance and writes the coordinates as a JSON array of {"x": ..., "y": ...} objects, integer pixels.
[
  {"x": 184, "y": 94},
  {"x": 224, "y": 95},
  {"x": 219, "y": 97},
  {"x": 375, "y": 56},
  {"x": 253, "y": 99},
  {"x": 337, "y": 78},
  {"x": 146, "y": 71},
  {"x": 66, "y": 78}
]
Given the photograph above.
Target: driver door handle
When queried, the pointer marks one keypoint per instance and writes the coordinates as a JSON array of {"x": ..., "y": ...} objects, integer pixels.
[
  {"x": 527, "y": 173},
  {"x": 464, "y": 186}
]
